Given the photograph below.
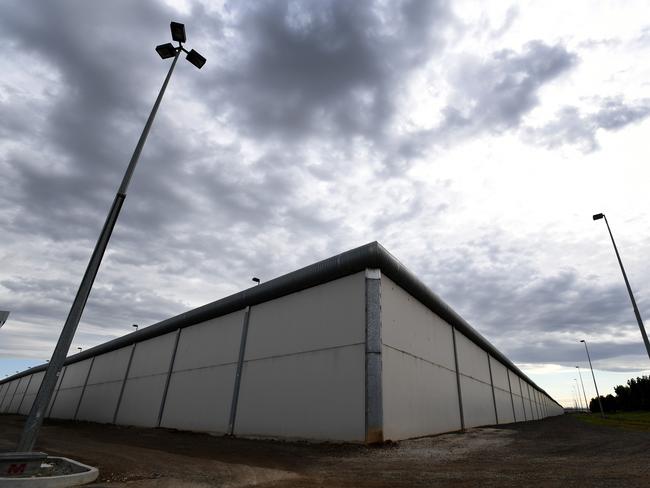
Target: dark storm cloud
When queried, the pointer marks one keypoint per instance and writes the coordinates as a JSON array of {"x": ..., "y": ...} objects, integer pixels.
[
  {"x": 573, "y": 127},
  {"x": 330, "y": 67}
]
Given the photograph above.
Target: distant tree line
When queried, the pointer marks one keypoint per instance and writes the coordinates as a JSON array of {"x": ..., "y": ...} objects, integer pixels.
[{"x": 633, "y": 396}]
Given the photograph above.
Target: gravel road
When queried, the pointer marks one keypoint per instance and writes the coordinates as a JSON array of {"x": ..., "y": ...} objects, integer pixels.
[{"x": 557, "y": 452}]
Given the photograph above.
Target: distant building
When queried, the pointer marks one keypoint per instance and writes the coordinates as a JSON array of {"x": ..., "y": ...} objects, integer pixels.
[{"x": 353, "y": 348}]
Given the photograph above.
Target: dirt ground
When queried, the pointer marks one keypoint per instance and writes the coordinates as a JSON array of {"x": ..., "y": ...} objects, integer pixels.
[{"x": 556, "y": 452}]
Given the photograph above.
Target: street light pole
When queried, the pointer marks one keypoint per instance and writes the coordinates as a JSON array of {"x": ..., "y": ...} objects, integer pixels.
[
  {"x": 600, "y": 404},
  {"x": 583, "y": 387},
  {"x": 44, "y": 395},
  {"x": 579, "y": 396},
  {"x": 627, "y": 284}
]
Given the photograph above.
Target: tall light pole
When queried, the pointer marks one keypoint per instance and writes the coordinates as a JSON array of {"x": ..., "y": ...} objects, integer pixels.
[
  {"x": 583, "y": 387},
  {"x": 600, "y": 404},
  {"x": 627, "y": 284},
  {"x": 578, "y": 388},
  {"x": 44, "y": 395}
]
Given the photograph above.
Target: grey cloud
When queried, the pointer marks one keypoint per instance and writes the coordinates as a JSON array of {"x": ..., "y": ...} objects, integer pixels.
[
  {"x": 572, "y": 127},
  {"x": 493, "y": 95},
  {"x": 316, "y": 68}
]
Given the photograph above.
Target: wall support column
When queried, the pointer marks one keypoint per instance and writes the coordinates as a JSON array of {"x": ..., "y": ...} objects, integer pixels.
[
  {"x": 460, "y": 393},
  {"x": 8, "y": 405},
  {"x": 238, "y": 373},
  {"x": 374, "y": 397},
  {"x": 126, "y": 376},
  {"x": 512, "y": 400},
  {"x": 494, "y": 398},
  {"x": 523, "y": 402},
  {"x": 83, "y": 389},
  {"x": 170, "y": 370}
]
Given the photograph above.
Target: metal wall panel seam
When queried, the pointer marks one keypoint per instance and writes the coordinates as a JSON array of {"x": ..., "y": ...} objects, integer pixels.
[
  {"x": 7, "y": 387},
  {"x": 238, "y": 372},
  {"x": 512, "y": 400},
  {"x": 83, "y": 390},
  {"x": 406, "y": 353},
  {"x": 126, "y": 376},
  {"x": 56, "y": 393},
  {"x": 530, "y": 401},
  {"x": 31, "y": 377},
  {"x": 8, "y": 406},
  {"x": 523, "y": 403},
  {"x": 374, "y": 414},
  {"x": 494, "y": 398},
  {"x": 163, "y": 400},
  {"x": 460, "y": 394}
]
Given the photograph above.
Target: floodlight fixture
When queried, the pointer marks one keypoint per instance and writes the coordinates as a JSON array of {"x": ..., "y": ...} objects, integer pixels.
[
  {"x": 598, "y": 216},
  {"x": 166, "y": 50},
  {"x": 178, "y": 31},
  {"x": 256, "y": 280},
  {"x": 196, "y": 59}
]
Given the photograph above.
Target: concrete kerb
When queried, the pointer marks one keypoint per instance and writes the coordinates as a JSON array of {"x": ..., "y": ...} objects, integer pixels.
[{"x": 62, "y": 481}]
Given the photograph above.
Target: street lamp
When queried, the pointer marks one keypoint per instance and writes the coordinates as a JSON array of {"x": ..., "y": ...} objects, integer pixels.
[
  {"x": 136, "y": 327},
  {"x": 600, "y": 404},
  {"x": 583, "y": 388},
  {"x": 627, "y": 284},
  {"x": 256, "y": 280},
  {"x": 44, "y": 395},
  {"x": 578, "y": 388}
]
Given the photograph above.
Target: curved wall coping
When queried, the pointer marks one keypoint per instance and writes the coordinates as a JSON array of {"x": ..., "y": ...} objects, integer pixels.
[{"x": 372, "y": 255}]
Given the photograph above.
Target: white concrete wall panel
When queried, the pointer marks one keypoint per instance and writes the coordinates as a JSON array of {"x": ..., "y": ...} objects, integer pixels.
[
  {"x": 478, "y": 407},
  {"x": 141, "y": 401},
  {"x": 20, "y": 392},
  {"x": 521, "y": 386},
  {"x": 56, "y": 390},
  {"x": 110, "y": 366},
  {"x": 314, "y": 395},
  {"x": 210, "y": 343},
  {"x": 31, "y": 392},
  {"x": 11, "y": 389},
  {"x": 66, "y": 403},
  {"x": 199, "y": 399},
  {"x": 152, "y": 356},
  {"x": 76, "y": 374},
  {"x": 504, "y": 406},
  {"x": 407, "y": 325},
  {"x": 99, "y": 402},
  {"x": 472, "y": 360},
  {"x": 325, "y": 316},
  {"x": 420, "y": 398},
  {"x": 499, "y": 374}
]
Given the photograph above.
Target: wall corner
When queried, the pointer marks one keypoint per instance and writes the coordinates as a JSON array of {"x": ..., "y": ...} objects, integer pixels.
[{"x": 374, "y": 416}]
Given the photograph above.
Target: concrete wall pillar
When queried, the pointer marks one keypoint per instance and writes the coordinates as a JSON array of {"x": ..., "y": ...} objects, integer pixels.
[
  {"x": 460, "y": 393},
  {"x": 374, "y": 398}
]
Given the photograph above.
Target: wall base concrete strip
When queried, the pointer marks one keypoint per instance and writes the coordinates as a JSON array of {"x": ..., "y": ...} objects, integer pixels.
[
  {"x": 374, "y": 397},
  {"x": 460, "y": 395},
  {"x": 62, "y": 481},
  {"x": 238, "y": 373}
]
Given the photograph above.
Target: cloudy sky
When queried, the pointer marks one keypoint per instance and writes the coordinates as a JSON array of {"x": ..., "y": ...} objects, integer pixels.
[{"x": 474, "y": 140}]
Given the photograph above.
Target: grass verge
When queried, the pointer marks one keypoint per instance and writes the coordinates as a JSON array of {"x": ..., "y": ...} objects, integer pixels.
[{"x": 622, "y": 420}]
